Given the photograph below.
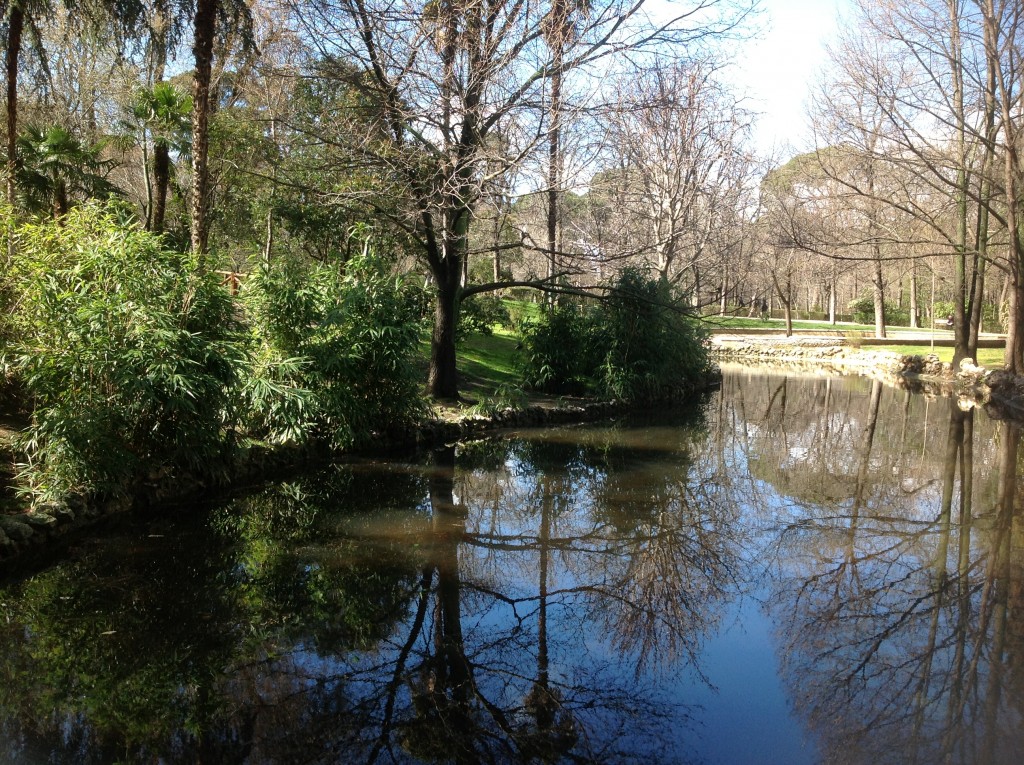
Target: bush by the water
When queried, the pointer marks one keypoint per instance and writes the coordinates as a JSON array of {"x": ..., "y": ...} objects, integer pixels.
[
  {"x": 135, "y": 363},
  {"x": 126, "y": 351},
  {"x": 333, "y": 351},
  {"x": 636, "y": 344}
]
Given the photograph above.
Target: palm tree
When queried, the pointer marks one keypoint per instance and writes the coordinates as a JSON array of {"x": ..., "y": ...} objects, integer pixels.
[
  {"x": 55, "y": 167},
  {"x": 164, "y": 112},
  {"x": 19, "y": 17},
  {"x": 209, "y": 16}
]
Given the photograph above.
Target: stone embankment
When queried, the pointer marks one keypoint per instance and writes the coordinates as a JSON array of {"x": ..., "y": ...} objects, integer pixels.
[
  {"x": 48, "y": 525},
  {"x": 1000, "y": 392}
]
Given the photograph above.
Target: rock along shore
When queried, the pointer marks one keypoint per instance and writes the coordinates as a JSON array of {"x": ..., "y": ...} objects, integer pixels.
[{"x": 1001, "y": 393}]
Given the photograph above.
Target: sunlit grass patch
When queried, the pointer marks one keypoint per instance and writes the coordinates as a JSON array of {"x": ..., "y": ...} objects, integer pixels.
[{"x": 991, "y": 358}]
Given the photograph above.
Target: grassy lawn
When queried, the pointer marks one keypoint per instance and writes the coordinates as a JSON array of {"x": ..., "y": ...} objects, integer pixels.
[
  {"x": 991, "y": 358},
  {"x": 521, "y": 310},
  {"x": 485, "y": 362},
  {"x": 489, "y": 360}
]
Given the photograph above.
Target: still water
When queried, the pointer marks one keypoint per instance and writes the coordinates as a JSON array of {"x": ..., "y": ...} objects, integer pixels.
[{"x": 797, "y": 569}]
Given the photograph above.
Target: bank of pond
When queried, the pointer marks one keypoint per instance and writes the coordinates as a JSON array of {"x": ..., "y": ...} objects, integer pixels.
[{"x": 793, "y": 568}]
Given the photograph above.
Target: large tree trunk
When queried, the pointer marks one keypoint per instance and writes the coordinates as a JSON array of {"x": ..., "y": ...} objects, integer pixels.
[
  {"x": 15, "y": 25},
  {"x": 202, "y": 49},
  {"x": 443, "y": 380}
]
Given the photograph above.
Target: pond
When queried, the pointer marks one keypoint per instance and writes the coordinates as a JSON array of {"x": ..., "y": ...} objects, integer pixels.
[{"x": 796, "y": 569}]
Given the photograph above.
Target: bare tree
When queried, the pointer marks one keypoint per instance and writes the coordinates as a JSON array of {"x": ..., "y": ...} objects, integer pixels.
[
  {"x": 677, "y": 137},
  {"x": 444, "y": 76}
]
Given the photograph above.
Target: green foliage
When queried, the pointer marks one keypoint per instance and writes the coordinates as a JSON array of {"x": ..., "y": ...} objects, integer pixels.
[
  {"x": 56, "y": 168},
  {"x": 126, "y": 351},
  {"x": 561, "y": 349},
  {"x": 481, "y": 313},
  {"x": 863, "y": 310},
  {"x": 942, "y": 309},
  {"x": 992, "y": 319},
  {"x": 333, "y": 352},
  {"x": 505, "y": 396},
  {"x": 653, "y": 346},
  {"x": 165, "y": 111},
  {"x": 636, "y": 345}
]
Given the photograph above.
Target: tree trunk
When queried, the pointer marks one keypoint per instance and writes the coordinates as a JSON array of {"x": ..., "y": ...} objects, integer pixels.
[
  {"x": 60, "y": 200},
  {"x": 1014, "y": 356},
  {"x": 878, "y": 293},
  {"x": 914, "y": 323},
  {"x": 202, "y": 49},
  {"x": 552, "y": 213},
  {"x": 443, "y": 381},
  {"x": 554, "y": 160},
  {"x": 497, "y": 241},
  {"x": 161, "y": 182},
  {"x": 15, "y": 25}
]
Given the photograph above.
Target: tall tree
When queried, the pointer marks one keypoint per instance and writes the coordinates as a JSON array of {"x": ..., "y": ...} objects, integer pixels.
[
  {"x": 677, "y": 135},
  {"x": 444, "y": 77},
  {"x": 202, "y": 51},
  {"x": 23, "y": 16},
  {"x": 210, "y": 17},
  {"x": 559, "y": 28},
  {"x": 163, "y": 112}
]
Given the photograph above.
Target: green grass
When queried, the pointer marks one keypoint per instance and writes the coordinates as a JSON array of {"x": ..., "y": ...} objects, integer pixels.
[
  {"x": 485, "y": 362},
  {"x": 489, "y": 359},
  {"x": 522, "y": 310},
  {"x": 991, "y": 358}
]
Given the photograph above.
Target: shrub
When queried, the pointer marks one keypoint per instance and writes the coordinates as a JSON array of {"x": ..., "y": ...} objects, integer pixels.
[
  {"x": 481, "y": 313},
  {"x": 560, "y": 349},
  {"x": 635, "y": 345},
  {"x": 863, "y": 310},
  {"x": 653, "y": 346},
  {"x": 333, "y": 351},
  {"x": 126, "y": 351},
  {"x": 992, "y": 318}
]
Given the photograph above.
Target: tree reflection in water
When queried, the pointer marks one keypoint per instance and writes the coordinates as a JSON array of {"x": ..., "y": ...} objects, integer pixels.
[
  {"x": 526, "y": 610},
  {"x": 895, "y": 601},
  {"x": 546, "y": 597}
]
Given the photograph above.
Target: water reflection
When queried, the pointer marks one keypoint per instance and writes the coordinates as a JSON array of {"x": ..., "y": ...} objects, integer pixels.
[
  {"x": 558, "y": 596},
  {"x": 523, "y": 602},
  {"x": 893, "y": 600}
]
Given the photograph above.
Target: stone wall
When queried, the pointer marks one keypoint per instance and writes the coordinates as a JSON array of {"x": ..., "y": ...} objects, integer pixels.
[{"x": 973, "y": 385}]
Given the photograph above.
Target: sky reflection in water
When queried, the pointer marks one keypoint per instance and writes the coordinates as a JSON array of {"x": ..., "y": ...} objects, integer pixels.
[{"x": 802, "y": 569}]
